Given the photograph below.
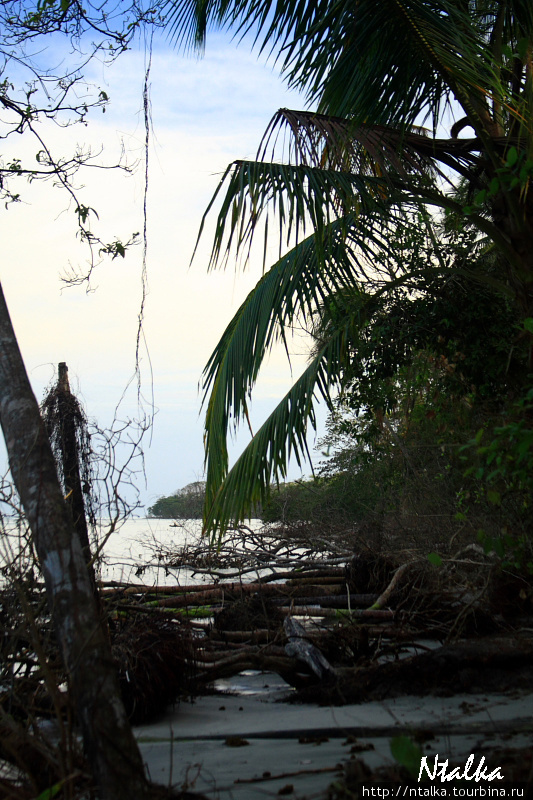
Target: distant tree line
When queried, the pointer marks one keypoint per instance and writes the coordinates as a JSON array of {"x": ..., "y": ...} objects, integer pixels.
[{"x": 185, "y": 503}]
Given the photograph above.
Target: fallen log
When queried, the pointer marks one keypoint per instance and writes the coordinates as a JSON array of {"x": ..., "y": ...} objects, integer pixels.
[
  {"x": 330, "y": 601},
  {"x": 259, "y": 636},
  {"x": 357, "y": 613},
  {"x": 230, "y": 592},
  {"x": 262, "y": 635},
  {"x": 384, "y": 597},
  {"x": 470, "y": 665},
  {"x": 206, "y": 660},
  {"x": 287, "y": 668}
]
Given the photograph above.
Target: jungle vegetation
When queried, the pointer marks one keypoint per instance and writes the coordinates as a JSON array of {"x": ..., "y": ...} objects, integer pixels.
[
  {"x": 401, "y": 198},
  {"x": 185, "y": 503}
]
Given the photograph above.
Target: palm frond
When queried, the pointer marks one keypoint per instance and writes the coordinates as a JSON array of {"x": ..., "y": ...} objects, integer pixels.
[
  {"x": 301, "y": 196},
  {"x": 283, "y": 435},
  {"x": 376, "y": 62},
  {"x": 232, "y": 496},
  {"x": 319, "y": 140},
  {"x": 291, "y": 290}
]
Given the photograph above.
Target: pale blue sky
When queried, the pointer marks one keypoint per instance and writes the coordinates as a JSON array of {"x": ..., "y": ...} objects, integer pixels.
[{"x": 206, "y": 112}]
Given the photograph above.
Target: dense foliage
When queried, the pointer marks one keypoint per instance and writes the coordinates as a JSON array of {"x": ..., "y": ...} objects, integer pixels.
[
  {"x": 345, "y": 187},
  {"x": 185, "y": 503},
  {"x": 431, "y": 437}
]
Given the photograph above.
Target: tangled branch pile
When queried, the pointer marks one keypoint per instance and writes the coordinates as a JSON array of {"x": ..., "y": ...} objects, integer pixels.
[
  {"x": 334, "y": 625},
  {"x": 279, "y": 601}
]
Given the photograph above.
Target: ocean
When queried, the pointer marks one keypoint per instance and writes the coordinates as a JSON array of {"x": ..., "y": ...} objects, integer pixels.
[{"x": 139, "y": 551}]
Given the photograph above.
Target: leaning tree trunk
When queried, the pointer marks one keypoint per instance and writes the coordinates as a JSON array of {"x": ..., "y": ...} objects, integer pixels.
[{"x": 109, "y": 743}]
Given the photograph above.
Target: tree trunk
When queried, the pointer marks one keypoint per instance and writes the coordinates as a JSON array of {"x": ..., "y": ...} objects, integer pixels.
[
  {"x": 109, "y": 743},
  {"x": 71, "y": 469}
]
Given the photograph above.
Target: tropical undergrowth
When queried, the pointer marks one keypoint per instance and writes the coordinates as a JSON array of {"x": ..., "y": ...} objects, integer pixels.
[{"x": 430, "y": 440}]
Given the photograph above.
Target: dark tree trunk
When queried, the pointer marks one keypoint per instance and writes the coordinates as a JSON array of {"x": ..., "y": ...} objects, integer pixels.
[
  {"x": 68, "y": 412},
  {"x": 109, "y": 743}
]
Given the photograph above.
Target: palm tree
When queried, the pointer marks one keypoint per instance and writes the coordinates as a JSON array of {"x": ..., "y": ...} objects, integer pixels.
[{"x": 383, "y": 78}]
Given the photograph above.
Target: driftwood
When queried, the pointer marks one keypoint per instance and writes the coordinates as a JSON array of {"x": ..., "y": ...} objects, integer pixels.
[
  {"x": 322, "y": 595},
  {"x": 383, "y": 599},
  {"x": 483, "y": 664},
  {"x": 329, "y": 600},
  {"x": 286, "y": 667},
  {"x": 264, "y": 636},
  {"x": 281, "y": 595},
  {"x": 300, "y": 647},
  {"x": 317, "y": 611},
  {"x": 357, "y": 625},
  {"x": 333, "y": 576}
]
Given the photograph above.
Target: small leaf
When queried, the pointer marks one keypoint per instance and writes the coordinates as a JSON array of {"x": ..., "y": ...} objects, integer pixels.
[
  {"x": 512, "y": 156},
  {"x": 406, "y": 753},
  {"x": 435, "y": 559},
  {"x": 488, "y": 545},
  {"x": 51, "y": 792},
  {"x": 522, "y": 47}
]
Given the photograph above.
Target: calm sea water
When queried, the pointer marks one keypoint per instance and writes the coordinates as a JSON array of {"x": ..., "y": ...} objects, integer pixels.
[{"x": 138, "y": 552}]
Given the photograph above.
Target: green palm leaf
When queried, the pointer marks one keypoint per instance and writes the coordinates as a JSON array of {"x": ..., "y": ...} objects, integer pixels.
[
  {"x": 388, "y": 61},
  {"x": 361, "y": 252},
  {"x": 232, "y": 496},
  {"x": 292, "y": 289},
  {"x": 301, "y": 196},
  {"x": 304, "y": 196},
  {"x": 283, "y": 435}
]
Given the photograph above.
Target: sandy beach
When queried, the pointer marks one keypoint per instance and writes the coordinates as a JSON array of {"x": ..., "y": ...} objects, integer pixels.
[{"x": 251, "y": 745}]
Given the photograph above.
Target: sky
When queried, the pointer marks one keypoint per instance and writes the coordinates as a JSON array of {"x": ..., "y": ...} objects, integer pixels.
[{"x": 205, "y": 113}]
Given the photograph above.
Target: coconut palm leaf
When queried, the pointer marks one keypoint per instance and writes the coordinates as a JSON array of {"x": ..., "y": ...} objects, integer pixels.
[
  {"x": 231, "y": 496},
  {"x": 343, "y": 252},
  {"x": 320, "y": 140},
  {"x": 291, "y": 290},
  {"x": 283, "y": 435},
  {"x": 303, "y": 197},
  {"x": 360, "y": 259},
  {"x": 386, "y": 62}
]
